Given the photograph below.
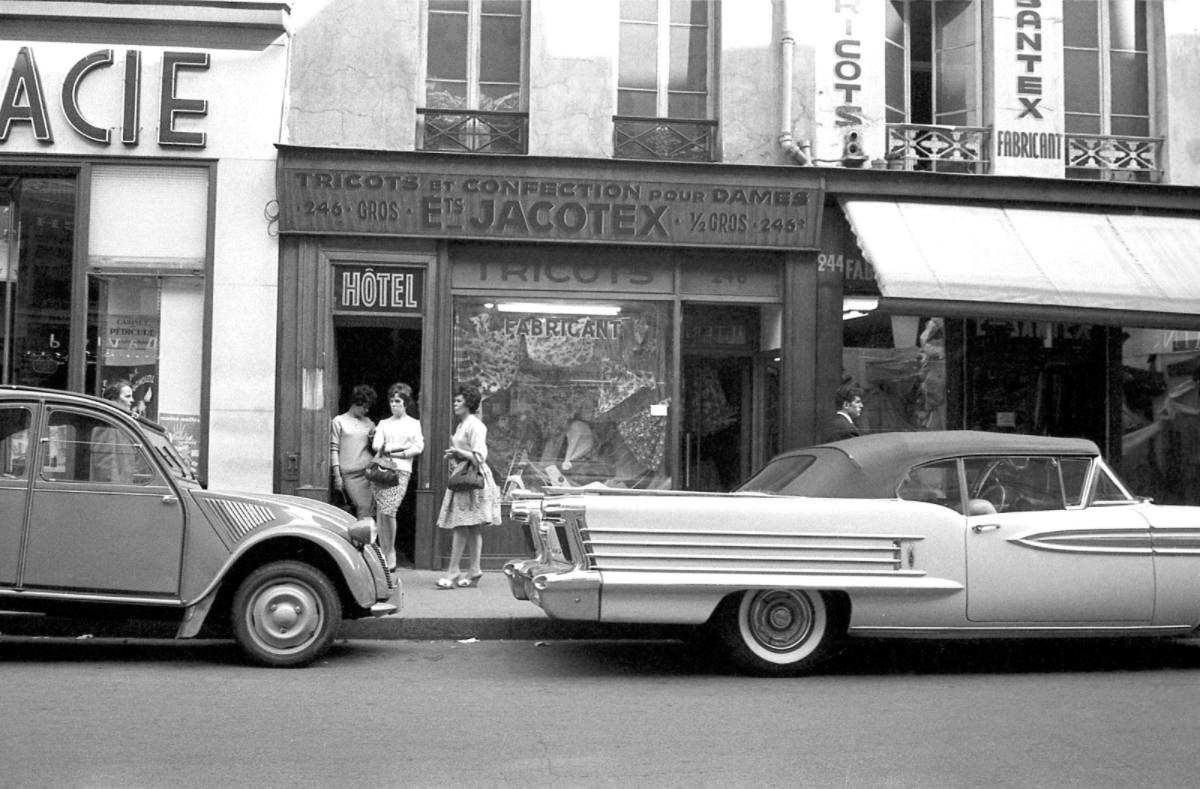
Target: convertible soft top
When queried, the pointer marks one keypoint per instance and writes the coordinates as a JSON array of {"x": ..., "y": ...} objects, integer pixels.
[{"x": 871, "y": 466}]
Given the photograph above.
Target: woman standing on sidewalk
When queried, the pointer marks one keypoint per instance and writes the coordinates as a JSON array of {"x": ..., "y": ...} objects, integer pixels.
[
  {"x": 466, "y": 512},
  {"x": 400, "y": 438}
]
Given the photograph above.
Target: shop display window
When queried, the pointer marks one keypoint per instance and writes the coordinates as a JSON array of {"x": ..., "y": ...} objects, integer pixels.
[
  {"x": 899, "y": 362},
  {"x": 574, "y": 393},
  {"x": 1160, "y": 414}
]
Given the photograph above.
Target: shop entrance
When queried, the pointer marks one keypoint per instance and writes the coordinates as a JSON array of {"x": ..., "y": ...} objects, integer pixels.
[
  {"x": 729, "y": 426},
  {"x": 380, "y": 352}
]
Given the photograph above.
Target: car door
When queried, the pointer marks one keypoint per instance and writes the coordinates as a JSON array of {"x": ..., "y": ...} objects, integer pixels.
[
  {"x": 102, "y": 515},
  {"x": 1044, "y": 557},
  {"x": 15, "y": 470}
]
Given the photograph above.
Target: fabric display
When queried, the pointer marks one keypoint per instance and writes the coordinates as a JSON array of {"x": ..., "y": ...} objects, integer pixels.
[
  {"x": 484, "y": 355},
  {"x": 561, "y": 351},
  {"x": 620, "y": 384},
  {"x": 646, "y": 436},
  {"x": 710, "y": 409}
]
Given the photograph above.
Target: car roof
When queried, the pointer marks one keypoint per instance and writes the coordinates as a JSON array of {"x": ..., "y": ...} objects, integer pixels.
[
  {"x": 871, "y": 466},
  {"x": 13, "y": 391},
  {"x": 908, "y": 448}
]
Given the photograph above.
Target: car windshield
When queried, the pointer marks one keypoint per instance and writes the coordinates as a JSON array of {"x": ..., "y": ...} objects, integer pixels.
[
  {"x": 169, "y": 455},
  {"x": 779, "y": 475}
]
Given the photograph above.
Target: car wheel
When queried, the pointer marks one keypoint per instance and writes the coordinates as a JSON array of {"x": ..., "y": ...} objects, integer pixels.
[
  {"x": 286, "y": 614},
  {"x": 778, "y": 632}
]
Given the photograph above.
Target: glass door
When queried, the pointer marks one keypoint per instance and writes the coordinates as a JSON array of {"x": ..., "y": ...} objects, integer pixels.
[{"x": 729, "y": 424}]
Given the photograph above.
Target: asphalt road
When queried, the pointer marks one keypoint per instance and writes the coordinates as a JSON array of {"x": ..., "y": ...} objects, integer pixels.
[{"x": 93, "y": 713}]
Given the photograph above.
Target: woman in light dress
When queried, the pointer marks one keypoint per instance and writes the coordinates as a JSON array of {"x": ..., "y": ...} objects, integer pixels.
[
  {"x": 466, "y": 512},
  {"x": 399, "y": 437}
]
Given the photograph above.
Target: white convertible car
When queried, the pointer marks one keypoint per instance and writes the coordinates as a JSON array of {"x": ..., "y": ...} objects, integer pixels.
[{"x": 952, "y": 534}]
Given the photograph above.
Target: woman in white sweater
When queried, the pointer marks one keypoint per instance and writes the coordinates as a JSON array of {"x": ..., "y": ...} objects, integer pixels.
[{"x": 399, "y": 437}]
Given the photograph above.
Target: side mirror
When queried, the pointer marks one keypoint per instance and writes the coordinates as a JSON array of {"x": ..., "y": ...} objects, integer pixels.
[{"x": 980, "y": 507}]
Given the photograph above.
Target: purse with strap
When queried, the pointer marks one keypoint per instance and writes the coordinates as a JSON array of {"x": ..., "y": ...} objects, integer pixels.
[
  {"x": 382, "y": 469},
  {"x": 465, "y": 476}
]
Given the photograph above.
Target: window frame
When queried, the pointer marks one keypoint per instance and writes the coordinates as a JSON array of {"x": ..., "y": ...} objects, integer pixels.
[
  {"x": 974, "y": 114},
  {"x": 663, "y": 28},
  {"x": 1104, "y": 52},
  {"x": 474, "y": 55}
]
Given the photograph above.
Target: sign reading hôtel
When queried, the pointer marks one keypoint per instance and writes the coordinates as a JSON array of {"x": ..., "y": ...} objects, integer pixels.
[
  {"x": 27, "y": 98},
  {"x": 474, "y": 204}
]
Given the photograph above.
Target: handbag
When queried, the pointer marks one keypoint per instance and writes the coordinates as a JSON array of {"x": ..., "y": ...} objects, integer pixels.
[
  {"x": 465, "y": 476},
  {"x": 382, "y": 469}
]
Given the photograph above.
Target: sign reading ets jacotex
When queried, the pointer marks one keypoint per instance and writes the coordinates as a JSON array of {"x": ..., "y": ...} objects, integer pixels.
[{"x": 552, "y": 208}]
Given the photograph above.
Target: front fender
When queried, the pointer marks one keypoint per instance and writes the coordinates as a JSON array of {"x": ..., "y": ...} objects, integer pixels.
[{"x": 355, "y": 572}]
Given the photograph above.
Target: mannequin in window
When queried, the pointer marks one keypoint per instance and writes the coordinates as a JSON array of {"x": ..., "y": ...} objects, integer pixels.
[{"x": 580, "y": 438}]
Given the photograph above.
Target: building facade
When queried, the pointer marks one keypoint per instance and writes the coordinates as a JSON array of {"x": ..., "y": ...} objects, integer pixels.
[
  {"x": 657, "y": 234},
  {"x": 137, "y": 169}
]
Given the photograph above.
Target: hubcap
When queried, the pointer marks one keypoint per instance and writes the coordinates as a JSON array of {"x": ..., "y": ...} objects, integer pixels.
[
  {"x": 284, "y": 615},
  {"x": 780, "y": 620}
]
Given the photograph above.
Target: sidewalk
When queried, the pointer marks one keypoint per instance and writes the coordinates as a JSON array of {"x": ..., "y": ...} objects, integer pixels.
[{"x": 488, "y": 611}]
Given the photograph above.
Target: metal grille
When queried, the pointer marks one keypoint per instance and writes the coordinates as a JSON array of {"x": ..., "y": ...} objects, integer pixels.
[
  {"x": 1114, "y": 158},
  {"x": 664, "y": 138},
  {"x": 377, "y": 552},
  {"x": 943, "y": 149},
  {"x": 238, "y": 517},
  {"x": 473, "y": 131}
]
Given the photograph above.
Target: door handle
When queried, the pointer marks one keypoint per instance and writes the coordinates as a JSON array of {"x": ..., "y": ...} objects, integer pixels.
[
  {"x": 170, "y": 499},
  {"x": 980, "y": 528}
]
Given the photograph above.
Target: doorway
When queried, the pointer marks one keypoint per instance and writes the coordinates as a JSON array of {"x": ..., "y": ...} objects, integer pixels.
[
  {"x": 730, "y": 391},
  {"x": 380, "y": 352}
]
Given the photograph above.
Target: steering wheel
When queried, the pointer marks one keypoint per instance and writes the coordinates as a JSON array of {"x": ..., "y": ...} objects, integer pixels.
[{"x": 996, "y": 494}]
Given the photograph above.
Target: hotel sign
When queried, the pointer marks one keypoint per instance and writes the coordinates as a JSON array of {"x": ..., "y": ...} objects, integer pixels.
[
  {"x": 549, "y": 208},
  {"x": 378, "y": 289}
]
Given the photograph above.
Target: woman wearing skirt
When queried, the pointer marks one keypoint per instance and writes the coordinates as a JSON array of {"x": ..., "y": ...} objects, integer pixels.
[{"x": 466, "y": 512}]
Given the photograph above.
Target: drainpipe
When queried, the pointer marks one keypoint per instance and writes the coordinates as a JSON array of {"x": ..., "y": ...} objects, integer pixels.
[{"x": 787, "y": 45}]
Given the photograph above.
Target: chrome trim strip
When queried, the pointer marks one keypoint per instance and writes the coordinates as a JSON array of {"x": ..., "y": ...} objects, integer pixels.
[
  {"x": 591, "y": 541},
  {"x": 602, "y": 558},
  {"x": 88, "y": 597},
  {"x": 863, "y": 629},
  {"x": 742, "y": 534},
  {"x": 1126, "y": 542},
  {"x": 758, "y": 571}
]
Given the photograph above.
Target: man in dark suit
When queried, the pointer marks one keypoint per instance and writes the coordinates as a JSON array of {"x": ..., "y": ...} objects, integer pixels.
[{"x": 850, "y": 405}]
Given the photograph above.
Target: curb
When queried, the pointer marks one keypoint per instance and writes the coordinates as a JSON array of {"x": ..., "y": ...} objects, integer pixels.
[{"x": 392, "y": 628}]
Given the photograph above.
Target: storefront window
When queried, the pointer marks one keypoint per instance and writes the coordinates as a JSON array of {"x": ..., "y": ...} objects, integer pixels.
[
  {"x": 1160, "y": 413},
  {"x": 574, "y": 393},
  {"x": 899, "y": 363},
  {"x": 39, "y": 215},
  {"x": 146, "y": 262}
]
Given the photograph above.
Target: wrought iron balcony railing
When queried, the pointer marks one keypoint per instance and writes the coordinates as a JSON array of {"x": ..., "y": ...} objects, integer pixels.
[
  {"x": 472, "y": 131},
  {"x": 943, "y": 149},
  {"x": 664, "y": 138},
  {"x": 1114, "y": 158}
]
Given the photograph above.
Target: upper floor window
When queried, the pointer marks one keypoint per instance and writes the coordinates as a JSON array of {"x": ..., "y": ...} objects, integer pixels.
[
  {"x": 664, "y": 66},
  {"x": 475, "y": 69},
  {"x": 1107, "y": 71},
  {"x": 665, "y": 80},
  {"x": 932, "y": 62},
  {"x": 933, "y": 85}
]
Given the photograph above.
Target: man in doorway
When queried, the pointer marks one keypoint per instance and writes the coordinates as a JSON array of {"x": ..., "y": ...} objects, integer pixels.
[{"x": 842, "y": 424}]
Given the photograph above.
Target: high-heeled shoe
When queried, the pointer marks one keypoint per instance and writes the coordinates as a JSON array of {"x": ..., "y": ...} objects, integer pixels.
[
  {"x": 467, "y": 581},
  {"x": 449, "y": 582}
]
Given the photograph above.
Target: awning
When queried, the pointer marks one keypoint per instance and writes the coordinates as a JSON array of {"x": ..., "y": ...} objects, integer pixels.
[{"x": 1041, "y": 264}]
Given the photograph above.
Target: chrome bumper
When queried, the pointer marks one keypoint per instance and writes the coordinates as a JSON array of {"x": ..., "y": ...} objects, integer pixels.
[{"x": 562, "y": 591}]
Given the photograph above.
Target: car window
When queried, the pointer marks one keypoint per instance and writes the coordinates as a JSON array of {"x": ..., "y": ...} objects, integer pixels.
[
  {"x": 778, "y": 475},
  {"x": 88, "y": 448},
  {"x": 1017, "y": 483},
  {"x": 936, "y": 483},
  {"x": 1107, "y": 490},
  {"x": 1074, "y": 477},
  {"x": 14, "y": 442}
]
